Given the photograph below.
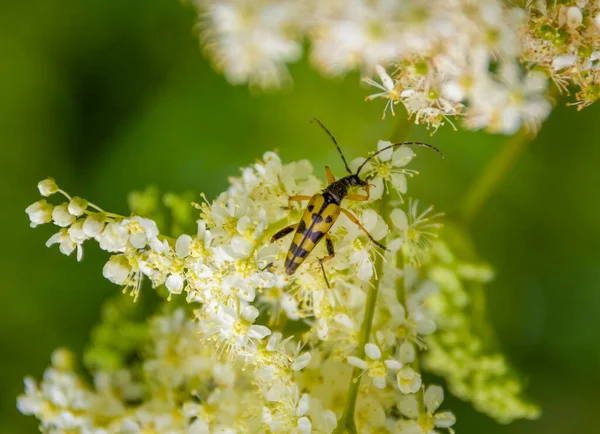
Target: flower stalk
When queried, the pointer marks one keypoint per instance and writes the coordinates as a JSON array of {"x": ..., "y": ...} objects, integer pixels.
[{"x": 346, "y": 422}]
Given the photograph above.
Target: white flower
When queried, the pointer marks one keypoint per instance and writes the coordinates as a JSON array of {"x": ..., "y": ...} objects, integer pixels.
[
  {"x": 61, "y": 216},
  {"x": 47, "y": 187},
  {"x": 77, "y": 236},
  {"x": 427, "y": 422},
  {"x": 142, "y": 231},
  {"x": 375, "y": 368},
  {"x": 39, "y": 213},
  {"x": 113, "y": 237},
  {"x": 387, "y": 87},
  {"x": 237, "y": 329},
  {"x": 388, "y": 167},
  {"x": 62, "y": 238},
  {"x": 417, "y": 230},
  {"x": 252, "y": 44},
  {"x": 408, "y": 380}
]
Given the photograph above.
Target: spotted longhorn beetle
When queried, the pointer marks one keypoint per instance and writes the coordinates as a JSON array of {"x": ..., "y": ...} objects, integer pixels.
[{"x": 324, "y": 208}]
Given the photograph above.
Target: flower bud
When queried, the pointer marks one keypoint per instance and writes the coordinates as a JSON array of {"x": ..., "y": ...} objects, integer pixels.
[
  {"x": 93, "y": 225},
  {"x": 63, "y": 359},
  {"x": 77, "y": 206},
  {"x": 47, "y": 187},
  {"x": 39, "y": 213},
  {"x": 574, "y": 17},
  {"x": 116, "y": 269},
  {"x": 61, "y": 216}
]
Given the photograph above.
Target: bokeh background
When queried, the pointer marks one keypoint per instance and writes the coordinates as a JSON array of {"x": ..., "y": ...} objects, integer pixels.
[{"x": 109, "y": 97}]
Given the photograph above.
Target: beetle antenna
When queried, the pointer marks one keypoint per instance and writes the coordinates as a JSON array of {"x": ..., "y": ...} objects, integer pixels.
[
  {"x": 395, "y": 145},
  {"x": 335, "y": 142}
]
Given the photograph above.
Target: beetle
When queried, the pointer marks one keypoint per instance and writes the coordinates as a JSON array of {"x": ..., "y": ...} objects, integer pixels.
[{"x": 324, "y": 208}]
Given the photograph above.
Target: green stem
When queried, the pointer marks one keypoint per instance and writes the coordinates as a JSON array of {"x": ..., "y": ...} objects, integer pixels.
[
  {"x": 484, "y": 186},
  {"x": 346, "y": 422},
  {"x": 401, "y": 291}
]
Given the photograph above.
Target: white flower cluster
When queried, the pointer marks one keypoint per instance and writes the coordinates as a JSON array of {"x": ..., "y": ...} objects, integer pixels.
[
  {"x": 180, "y": 388},
  {"x": 563, "y": 39},
  {"x": 264, "y": 351},
  {"x": 447, "y": 58}
]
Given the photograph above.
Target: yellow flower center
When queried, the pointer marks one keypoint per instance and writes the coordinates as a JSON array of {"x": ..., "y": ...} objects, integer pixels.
[
  {"x": 385, "y": 170},
  {"x": 230, "y": 225},
  {"x": 245, "y": 267},
  {"x": 377, "y": 369},
  {"x": 241, "y": 327},
  {"x": 426, "y": 422},
  {"x": 358, "y": 245}
]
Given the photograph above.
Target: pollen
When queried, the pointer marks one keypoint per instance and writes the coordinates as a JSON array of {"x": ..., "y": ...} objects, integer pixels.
[{"x": 377, "y": 369}]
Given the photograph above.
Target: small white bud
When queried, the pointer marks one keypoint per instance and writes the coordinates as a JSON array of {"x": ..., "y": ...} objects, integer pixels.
[
  {"x": 63, "y": 359},
  {"x": 47, "y": 187},
  {"x": 76, "y": 232},
  {"x": 116, "y": 269},
  {"x": 93, "y": 225},
  {"x": 62, "y": 217},
  {"x": 77, "y": 206},
  {"x": 574, "y": 17},
  {"x": 39, "y": 213}
]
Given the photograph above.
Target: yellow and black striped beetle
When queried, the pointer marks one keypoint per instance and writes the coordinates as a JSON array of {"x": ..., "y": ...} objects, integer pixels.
[{"x": 324, "y": 208}]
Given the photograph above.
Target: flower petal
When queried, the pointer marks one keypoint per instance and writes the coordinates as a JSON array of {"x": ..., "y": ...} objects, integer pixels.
[
  {"x": 373, "y": 351},
  {"x": 434, "y": 395}
]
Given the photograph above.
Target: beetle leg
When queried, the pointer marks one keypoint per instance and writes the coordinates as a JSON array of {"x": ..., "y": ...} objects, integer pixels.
[
  {"x": 330, "y": 255},
  {"x": 266, "y": 267},
  {"x": 360, "y": 197},
  {"x": 357, "y": 197},
  {"x": 354, "y": 220},
  {"x": 297, "y": 198},
  {"x": 283, "y": 232},
  {"x": 329, "y": 175}
]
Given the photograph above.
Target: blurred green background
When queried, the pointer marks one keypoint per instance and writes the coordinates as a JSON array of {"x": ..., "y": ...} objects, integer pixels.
[{"x": 108, "y": 97}]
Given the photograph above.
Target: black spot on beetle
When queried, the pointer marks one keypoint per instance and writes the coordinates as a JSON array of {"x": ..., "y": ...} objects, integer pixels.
[
  {"x": 311, "y": 207},
  {"x": 298, "y": 251},
  {"x": 328, "y": 219},
  {"x": 301, "y": 226},
  {"x": 316, "y": 236},
  {"x": 317, "y": 218}
]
